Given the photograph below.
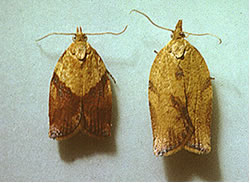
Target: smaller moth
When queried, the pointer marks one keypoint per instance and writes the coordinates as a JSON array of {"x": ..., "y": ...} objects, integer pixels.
[
  {"x": 80, "y": 97},
  {"x": 180, "y": 97}
]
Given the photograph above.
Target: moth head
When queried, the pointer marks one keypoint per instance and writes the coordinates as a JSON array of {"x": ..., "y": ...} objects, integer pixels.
[
  {"x": 79, "y": 36},
  {"x": 178, "y": 33}
]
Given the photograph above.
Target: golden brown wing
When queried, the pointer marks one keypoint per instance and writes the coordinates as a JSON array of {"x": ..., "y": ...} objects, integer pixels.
[
  {"x": 65, "y": 98},
  {"x": 171, "y": 123},
  {"x": 97, "y": 96},
  {"x": 199, "y": 96}
]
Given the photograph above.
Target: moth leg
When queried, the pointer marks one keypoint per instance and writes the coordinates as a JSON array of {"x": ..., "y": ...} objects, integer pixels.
[
  {"x": 156, "y": 51},
  {"x": 111, "y": 76}
]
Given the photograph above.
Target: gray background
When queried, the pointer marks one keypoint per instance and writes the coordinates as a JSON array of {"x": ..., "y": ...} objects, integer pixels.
[{"x": 27, "y": 154}]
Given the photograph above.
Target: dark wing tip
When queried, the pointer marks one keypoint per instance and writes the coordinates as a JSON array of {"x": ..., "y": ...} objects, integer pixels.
[{"x": 54, "y": 133}]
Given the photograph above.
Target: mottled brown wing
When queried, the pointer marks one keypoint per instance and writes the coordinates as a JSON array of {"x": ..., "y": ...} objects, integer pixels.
[
  {"x": 171, "y": 123},
  {"x": 199, "y": 96},
  {"x": 97, "y": 97},
  {"x": 64, "y": 101}
]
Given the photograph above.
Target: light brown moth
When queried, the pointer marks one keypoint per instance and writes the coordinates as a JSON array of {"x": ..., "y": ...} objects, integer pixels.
[
  {"x": 80, "y": 97},
  {"x": 180, "y": 97}
]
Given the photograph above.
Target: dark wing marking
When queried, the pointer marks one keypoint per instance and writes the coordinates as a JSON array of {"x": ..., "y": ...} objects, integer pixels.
[{"x": 64, "y": 110}]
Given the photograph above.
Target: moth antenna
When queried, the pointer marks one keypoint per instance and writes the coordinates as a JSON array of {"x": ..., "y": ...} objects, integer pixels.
[
  {"x": 134, "y": 10},
  {"x": 55, "y": 33},
  {"x": 204, "y": 34},
  {"x": 164, "y": 28},
  {"x": 77, "y": 30},
  {"x": 113, "y": 33}
]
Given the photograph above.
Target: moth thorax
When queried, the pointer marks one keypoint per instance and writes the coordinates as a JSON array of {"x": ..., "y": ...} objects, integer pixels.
[
  {"x": 178, "y": 49},
  {"x": 79, "y": 50}
]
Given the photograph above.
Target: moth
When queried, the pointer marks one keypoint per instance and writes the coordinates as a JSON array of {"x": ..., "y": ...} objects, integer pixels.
[
  {"x": 180, "y": 97},
  {"x": 80, "y": 97}
]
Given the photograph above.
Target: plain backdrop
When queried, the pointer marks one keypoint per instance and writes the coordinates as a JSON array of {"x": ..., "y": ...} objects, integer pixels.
[{"x": 26, "y": 67}]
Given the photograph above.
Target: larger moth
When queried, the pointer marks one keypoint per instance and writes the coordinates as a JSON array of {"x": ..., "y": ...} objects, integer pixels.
[
  {"x": 80, "y": 97},
  {"x": 180, "y": 97}
]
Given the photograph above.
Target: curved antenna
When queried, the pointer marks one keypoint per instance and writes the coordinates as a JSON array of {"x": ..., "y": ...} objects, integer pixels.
[
  {"x": 164, "y": 28},
  {"x": 102, "y": 33},
  {"x": 55, "y": 33},
  {"x": 74, "y": 34},
  {"x": 204, "y": 34},
  {"x": 134, "y": 10}
]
